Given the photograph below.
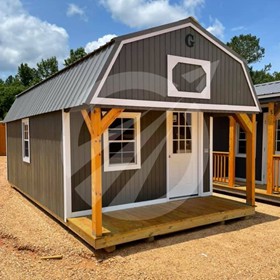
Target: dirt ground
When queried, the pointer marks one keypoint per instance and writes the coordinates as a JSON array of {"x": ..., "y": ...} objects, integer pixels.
[{"x": 242, "y": 249}]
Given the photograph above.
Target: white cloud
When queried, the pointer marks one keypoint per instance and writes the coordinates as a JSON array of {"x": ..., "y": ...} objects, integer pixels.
[
  {"x": 75, "y": 10},
  {"x": 237, "y": 28},
  {"x": 146, "y": 13},
  {"x": 217, "y": 29},
  {"x": 25, "y": 38},
  {"x": 91, "y": 46}
]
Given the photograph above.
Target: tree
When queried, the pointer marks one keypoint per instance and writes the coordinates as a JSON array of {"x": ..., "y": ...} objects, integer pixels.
[
  {"x": 261, "y": 76},
  {"x": 248, "y": 46},
  {"x": 74, "y": 56},
  {"x": 8, "y": 94},
  {"x": 11, "y": 80},
  {"x": 27, "y": 75},
  {"x": 47, "y": 67}
]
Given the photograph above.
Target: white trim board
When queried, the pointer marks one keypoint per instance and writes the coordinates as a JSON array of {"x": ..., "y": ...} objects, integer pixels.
[
  {"x": 189, "y": 24},
  {"x": 200, "y": 154},
  {"x": 121, "y": 207},
  {"x": 211, "y": 158},
  {"x": 268, "y": 95},
  {"x": 264, "y": 149},
  {"x": 66, "y": 165},
  {"x": 173, "y": 105}
]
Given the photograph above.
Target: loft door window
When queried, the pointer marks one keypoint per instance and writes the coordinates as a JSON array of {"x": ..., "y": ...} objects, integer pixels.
[
  {"x": 25, "y": 141},
  {"x": 122, "y": 143},
  {"x": 182, "y": 127}
]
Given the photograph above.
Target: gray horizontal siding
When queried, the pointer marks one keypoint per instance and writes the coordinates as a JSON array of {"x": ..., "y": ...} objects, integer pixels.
[
  {"x": 140, "y": 71},
  {"x": 42, "y": 179},
  {"x": 121, "y": 187},
  {"x": 69, "y": 88}
]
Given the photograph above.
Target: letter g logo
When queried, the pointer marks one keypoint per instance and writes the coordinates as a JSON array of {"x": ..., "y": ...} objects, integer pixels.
[{"x": 190, "y": 40}]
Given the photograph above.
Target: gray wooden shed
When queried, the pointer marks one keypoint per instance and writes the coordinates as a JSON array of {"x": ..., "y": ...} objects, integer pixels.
[{"x": 130, "y": 126}]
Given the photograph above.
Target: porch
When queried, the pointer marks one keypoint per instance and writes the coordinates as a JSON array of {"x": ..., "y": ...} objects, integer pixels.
[
  {"x": 128, "y": 225},
  {"x": 223, "y": 183}
]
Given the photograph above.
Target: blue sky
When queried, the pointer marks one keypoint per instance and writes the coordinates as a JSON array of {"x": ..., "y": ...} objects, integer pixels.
[{"x": 34, "y": 29}]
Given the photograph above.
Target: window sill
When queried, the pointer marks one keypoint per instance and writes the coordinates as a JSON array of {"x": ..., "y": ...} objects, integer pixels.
[
  {"x": 121, "y": 167},
  {"x": 26, "y": 160},
  {"x": 241, "y": 155}
]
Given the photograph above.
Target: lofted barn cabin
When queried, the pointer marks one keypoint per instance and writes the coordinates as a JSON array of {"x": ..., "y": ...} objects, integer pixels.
[{"x": 118, "y": 146}]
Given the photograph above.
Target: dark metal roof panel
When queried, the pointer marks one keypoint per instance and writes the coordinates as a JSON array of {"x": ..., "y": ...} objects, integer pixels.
[
  {"x": 268, "y": 88},
  {"x": 69, "y": 88}
]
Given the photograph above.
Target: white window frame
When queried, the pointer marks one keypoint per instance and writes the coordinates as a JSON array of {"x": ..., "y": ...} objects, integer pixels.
[
  {"x": 126, "y": 166},
  {"x": 172, "y": 61},
  {"x": 237, "y": 142},
  {"x": 23, "y": 123},
  {"x": 276, "y": 137}
]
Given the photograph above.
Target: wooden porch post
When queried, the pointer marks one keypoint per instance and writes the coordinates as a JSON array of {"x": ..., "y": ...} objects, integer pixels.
[
  {"x": 96, "y": 126},
  {"x": 251, "y": 163},
  {"x": 231, "y": 160},
  {"x": 96, "y": 178},
  {"x": 250, "y": 128},
  {"x": 270, "y": 147}
]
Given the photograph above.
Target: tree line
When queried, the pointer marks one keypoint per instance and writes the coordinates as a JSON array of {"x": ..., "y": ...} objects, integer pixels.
[
  {"x": 247, "y": 46},
  {"x": 27, "y": 76}
]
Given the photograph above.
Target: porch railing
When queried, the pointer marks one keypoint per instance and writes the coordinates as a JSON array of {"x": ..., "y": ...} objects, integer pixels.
[
  {"x": 276, "y": 173},
  {"x": 220, "y": 166}
]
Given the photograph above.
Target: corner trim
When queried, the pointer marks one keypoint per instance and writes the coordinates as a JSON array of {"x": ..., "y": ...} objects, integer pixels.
[{"x": 66, "y": 151}]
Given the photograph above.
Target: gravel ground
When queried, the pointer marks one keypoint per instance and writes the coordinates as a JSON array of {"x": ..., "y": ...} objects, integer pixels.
[{"x": 242, "y": 249}]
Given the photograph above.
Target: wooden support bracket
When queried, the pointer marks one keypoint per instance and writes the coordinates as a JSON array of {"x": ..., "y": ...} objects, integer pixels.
[
  {"x": 244, "y": 120},
  {"x": 277, "y": 111},
  {"x": 96, "y": 126},
  {"x": 249, "y": 125}
]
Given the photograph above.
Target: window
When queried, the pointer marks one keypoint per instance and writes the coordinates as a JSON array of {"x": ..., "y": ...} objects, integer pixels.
[
  {"x": 241, "y": 141},
  {"x": 277, "y": 136},
  {"x": 182, "y": 127},
  {"x": 122, "y": 143},
  {"x": 25, "y": 141}
]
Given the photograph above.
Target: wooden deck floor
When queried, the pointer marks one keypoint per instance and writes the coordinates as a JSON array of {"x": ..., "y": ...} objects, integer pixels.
[
  {"x": 143, "y": 222},
  {"x": 240, "y": 189}
]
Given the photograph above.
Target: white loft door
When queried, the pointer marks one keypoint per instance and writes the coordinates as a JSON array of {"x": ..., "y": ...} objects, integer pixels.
[{"x": 182, "y": 156}]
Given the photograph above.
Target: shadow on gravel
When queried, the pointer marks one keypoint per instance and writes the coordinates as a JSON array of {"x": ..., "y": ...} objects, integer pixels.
[{"x": 192, "y": 234}]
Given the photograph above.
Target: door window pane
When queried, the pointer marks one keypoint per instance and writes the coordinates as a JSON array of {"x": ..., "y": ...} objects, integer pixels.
[{"x": 182, "y": 132}]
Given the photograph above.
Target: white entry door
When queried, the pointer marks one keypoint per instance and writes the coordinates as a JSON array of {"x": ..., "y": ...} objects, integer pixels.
[{"x": 182, "y": 156}]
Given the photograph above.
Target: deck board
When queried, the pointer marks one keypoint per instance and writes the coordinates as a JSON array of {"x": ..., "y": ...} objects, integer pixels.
[
  {"x": 142, "y": 222},
  {"x": 240, "y": 190}
]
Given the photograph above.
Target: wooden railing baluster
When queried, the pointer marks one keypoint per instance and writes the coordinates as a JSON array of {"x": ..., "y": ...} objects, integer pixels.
[{"x": 220, "y": 166}]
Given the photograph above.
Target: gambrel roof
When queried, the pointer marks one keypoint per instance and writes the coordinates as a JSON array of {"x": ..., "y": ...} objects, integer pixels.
[{"x": 80, "y": 84}]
